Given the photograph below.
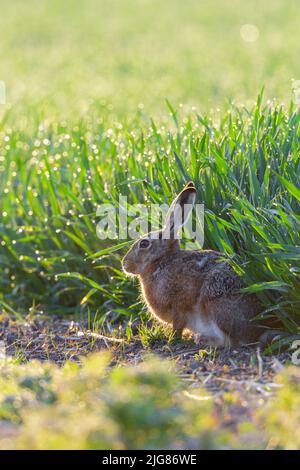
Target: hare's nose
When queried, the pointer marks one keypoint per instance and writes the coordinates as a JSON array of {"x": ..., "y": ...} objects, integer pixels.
[{"x": 126, "y": 265}]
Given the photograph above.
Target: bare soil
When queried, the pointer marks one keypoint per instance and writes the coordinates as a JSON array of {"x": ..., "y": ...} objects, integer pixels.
[{"x": 244, "y": 371}]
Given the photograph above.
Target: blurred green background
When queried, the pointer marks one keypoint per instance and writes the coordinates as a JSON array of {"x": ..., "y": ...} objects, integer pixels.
[{"x": 63, "y": 55}]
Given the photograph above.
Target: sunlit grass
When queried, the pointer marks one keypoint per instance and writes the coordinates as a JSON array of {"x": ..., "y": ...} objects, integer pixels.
[
  {"x": 245, "y": 165},
  {"x": 76, "y": 132},
  {"x": 86, "y": 120}
]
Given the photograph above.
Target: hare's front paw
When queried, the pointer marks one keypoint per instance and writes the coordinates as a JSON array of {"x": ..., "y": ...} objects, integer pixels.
[
  {"x": 202, "y": 340},
  {"x": 208, "y": 341},
  {"x": 198, "y": 339}
]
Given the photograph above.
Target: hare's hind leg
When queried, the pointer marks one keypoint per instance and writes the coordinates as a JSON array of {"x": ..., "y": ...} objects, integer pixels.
[
  {"x": 204, "y": 326},
  {"x": 234, "y": 317}
]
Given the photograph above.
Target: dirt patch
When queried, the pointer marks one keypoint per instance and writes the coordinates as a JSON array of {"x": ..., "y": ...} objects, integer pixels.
[
  {"x": 244, "y": 372},
  {"x": 49, "y": 339}
]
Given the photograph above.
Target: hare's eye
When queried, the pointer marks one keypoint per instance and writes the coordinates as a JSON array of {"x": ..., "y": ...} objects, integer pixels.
[{"x": 144, "y": 243}]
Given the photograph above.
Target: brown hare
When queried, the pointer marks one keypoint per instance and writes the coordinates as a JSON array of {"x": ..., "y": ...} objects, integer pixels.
[{"x": 193, "y": 290}]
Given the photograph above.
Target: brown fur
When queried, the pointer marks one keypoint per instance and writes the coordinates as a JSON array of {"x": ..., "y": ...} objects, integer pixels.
[{"x": 196, "y": 290}]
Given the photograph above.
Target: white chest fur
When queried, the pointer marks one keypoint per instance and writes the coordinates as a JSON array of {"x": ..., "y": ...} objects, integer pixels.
[{"x": 208, "y": 329}]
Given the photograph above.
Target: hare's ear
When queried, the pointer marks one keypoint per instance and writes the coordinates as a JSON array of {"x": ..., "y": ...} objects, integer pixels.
[{"x": 179, "y": 211}]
